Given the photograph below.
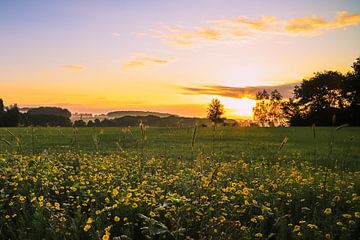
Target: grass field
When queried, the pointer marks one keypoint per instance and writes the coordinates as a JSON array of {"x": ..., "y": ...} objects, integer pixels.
[{"x": 169, "y": 183}]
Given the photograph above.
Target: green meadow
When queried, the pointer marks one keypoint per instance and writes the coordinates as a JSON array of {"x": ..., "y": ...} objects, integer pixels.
[{"x": 320, "y": 145}]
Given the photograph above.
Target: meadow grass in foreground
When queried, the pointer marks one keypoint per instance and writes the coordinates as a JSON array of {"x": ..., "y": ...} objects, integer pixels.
[{"x": 229, "y": 189}]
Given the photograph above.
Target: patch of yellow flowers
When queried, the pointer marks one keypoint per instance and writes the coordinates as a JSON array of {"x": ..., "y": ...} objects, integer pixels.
[{"x": 72, "y": 195}]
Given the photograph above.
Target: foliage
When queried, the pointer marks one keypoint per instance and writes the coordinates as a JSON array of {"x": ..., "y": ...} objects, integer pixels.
[
  {"x": 215, "y": 111},
  {"x": 268, "y": 110},
  {"x": 54, "y": 111}
]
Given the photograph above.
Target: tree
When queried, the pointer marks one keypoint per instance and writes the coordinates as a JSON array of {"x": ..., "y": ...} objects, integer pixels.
[
  {"x": 11, "y": 118},
  {"x": 268, "y": 110},
  {"x": 319, "y": 98},
  {"x": 351, "y": 91},
  {"x": 215, "y": 111},
  {"x": 1, "y": 111},
  {"x": 79, "y": 123}
]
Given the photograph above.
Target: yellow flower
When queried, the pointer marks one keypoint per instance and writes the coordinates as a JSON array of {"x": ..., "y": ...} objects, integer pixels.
[
  {"x": 296, "y": 228},
  {"x": 115, "y": 192},
  {"x": 258, "y": 235},
  {"x": 134, "y": 205},
  {"x": 246, "y": 191},
  {"x": 105, "y": 236},
  {"x": 260, "y": 218},
  {"x": 345, "y": 215},
  {"x": 87, "y": 227},
  {"x": 22, "y": 198},
  {"x": 327, "y": 236},
  {"x": 327, "y": 211},
  {"x": 97, "y": 212},
  {"x": 90, "y": 220},
  {"x": 116, "y": 219},
  {"x": 357, "y": 214},
  {"x": 152, "y": 214},
  {"x": 57, "y": 205},
  {"x": 312, "y": 226}
]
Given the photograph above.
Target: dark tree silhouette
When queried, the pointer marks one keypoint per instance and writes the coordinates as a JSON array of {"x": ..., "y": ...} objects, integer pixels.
[
  {"x": 318, "y": 99},
  {"x": 215, "y": 111}
]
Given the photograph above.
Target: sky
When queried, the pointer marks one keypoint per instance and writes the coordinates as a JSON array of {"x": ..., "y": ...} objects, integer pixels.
[{"x": 169, "y": 56}]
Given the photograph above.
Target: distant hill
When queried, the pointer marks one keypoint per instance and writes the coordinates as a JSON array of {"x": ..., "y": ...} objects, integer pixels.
[
  {"x": 53, "y": 111},
  {"x": 119, "y": 114}
]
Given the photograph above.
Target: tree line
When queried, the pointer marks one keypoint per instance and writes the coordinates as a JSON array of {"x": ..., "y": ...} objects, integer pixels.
[{"x": 325, "y": 99}]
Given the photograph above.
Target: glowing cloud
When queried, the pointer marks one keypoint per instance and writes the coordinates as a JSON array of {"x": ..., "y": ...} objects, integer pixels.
[
  {"x": 143, "y": 61},
  {"x": 73, "y": 67},
  {"x": 238, "y": 92},
  {"x": 244, "y": 27},
  {"x": 315, "y": 23}
]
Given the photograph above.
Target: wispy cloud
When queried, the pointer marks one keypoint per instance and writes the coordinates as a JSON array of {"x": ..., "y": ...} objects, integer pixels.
[
  {"x": 315, "y": 23},
  {"x": 244, "y": 27},
  {"x": 73, "y": 67},
  {"x": 116, "y": 34},
  {"x": 142, "y": 61},
  {"x": 238, "y": 92}
]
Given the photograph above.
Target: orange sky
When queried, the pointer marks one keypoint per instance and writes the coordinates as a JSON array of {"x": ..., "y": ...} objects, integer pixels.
[{"x": 169, "y": 56}]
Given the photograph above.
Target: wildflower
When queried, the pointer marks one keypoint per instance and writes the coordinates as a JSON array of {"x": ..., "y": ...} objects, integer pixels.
[
  {"x": 87, "y": 227},
  {"x": 116, "y": 219},
  {"x": 328, "y": 236},
  {"x": 345, "y": 215},
  {"x": 115, "y": 192},
  {"x": 357, "y": 214},
  {"x": 152, "y": 214},
  {"x": 246, "y": 191},
  {"x": 327, "y": 211},
  {"x": 22, "y": 198},
  {"x": 57, "y": 205},
  {"x": 258, "y": 235},
  {"x": 134, "y": 205},
  {"x": 90, "y": 220},
  {"x": 312, "y": 226},
  {"x": 296, "y": 228}
]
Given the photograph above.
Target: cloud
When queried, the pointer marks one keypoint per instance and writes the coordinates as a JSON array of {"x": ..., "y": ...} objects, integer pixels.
[
  {"x": 244, "y": 27},
  {"x": 73, "y": 67},
  {"x": 315, "y": 23},
  {"x": 238, "y": 92},
  {"x": 115, "y": 34},
  {"x": 143, "y": 61}
]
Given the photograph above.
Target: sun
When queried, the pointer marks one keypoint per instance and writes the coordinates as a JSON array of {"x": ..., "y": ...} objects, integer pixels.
[{"x": 238, "y": 107}]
